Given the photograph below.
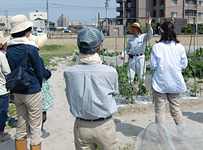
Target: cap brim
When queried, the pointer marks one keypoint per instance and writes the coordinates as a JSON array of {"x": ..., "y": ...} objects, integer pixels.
[
  {"x": 129, "y": 28},
  {"x": 3, "y": 40}
]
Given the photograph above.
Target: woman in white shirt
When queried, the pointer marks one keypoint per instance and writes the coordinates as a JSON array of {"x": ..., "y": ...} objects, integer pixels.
[
  {"x": 167, "y": 59},
  {"x": 4, "y": 94}
]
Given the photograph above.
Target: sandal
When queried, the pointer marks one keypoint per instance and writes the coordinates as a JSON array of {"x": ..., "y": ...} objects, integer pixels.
[{"x": 4, "y": 137}]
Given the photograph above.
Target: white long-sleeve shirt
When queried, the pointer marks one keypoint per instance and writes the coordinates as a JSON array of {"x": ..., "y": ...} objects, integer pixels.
[
  {"x": 137, "y": 44},
  {"x": 90, "y": 90},
  {"x": 168, "y": 59}
]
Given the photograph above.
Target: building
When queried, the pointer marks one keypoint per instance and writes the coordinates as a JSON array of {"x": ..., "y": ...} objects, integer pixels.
[
  {"x": 40, "y": 21},
  {"x": 38, "y": 24},
  {"x": 5, "y": 24},
  {"x": 35, "y": 15},
  {"x": 62, "y": 21},
  {"x": 139, "y": 10}
]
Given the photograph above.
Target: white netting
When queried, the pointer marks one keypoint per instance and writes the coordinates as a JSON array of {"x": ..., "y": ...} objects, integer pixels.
[{"x": 159, "y": 137}]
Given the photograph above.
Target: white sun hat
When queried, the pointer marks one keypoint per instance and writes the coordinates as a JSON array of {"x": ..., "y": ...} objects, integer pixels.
[{"x": 19, "y": 23}]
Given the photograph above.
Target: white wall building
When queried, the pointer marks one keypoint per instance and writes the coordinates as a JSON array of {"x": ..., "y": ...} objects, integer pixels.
[{"x": 37, "y": 14}]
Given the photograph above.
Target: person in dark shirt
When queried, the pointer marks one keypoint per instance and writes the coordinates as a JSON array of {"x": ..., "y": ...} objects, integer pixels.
[{"x": 28, "y": 101}]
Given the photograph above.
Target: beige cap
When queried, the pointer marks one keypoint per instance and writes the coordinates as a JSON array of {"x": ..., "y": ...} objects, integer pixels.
[{"x": 19, "y": 23}]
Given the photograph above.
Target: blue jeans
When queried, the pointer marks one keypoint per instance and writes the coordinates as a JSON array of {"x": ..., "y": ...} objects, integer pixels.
[{"x": 4, "y": 104}]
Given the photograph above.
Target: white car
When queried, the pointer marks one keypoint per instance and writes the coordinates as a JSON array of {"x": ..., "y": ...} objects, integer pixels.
[{"x": 66, "y": 31}]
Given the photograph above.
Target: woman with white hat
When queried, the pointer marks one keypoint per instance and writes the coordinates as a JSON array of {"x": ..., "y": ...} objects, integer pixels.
[
  {"x": 4, "y": 94},
  {"x": 28, "y": 101},
  {"x": 135, "y": 49}
]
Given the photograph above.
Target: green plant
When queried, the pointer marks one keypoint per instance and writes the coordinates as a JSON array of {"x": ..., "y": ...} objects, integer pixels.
[
  {"x": 196, "y": 88},
  {"x": 194, "y": 69},
  {"x": 75, "y": 54},
  {"x": 127, "y": 90},
  {"x": 188, "y": 28},
  {"x": 147, "y": 52},
  {"x": 104, "y": 52},
  {"x": 199, "y": 52}
]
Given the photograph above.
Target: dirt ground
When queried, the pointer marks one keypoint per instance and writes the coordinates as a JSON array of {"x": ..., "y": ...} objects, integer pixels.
[{"x": 130, "y": 119}]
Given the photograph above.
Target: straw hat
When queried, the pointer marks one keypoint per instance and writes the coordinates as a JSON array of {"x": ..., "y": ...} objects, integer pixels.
[
  {"x": 39, "y": 40},
  {"x": 3, "y": 40},
  {"x": 19, "y": 23},
  {"x": 135, "y": 24}
]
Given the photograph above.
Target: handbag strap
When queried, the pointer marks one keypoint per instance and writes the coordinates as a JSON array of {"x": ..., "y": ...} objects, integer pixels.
[{"x": 24, "y": 61}]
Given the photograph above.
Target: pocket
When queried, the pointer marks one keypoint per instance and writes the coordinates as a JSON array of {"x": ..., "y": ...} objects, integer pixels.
[{"x": 108, "y": 128}]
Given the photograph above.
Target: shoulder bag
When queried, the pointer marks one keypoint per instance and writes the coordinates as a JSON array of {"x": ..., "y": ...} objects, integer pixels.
[{"x": 19, "y": 78}]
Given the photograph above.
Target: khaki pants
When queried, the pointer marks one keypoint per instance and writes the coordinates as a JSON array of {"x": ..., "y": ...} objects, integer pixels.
[
  {"x": 92, "y": 134},
  {"x": 159, "y": 100},
  {"x": 29, "y": 112}
]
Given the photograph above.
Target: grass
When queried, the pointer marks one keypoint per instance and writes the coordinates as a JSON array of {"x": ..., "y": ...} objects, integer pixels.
[
  {"x": 48, "y": 59},
  {"x": 12, "y": 112},
  {"x": 51, "y": 49}
]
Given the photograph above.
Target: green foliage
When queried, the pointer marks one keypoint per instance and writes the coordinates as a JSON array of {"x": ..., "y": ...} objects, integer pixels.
[
  {"x": 196, "y": 88},
  {"x": 126, "y": 89},
  {"x": 75, "y": 54},
  {"x": 188, "y": 28},
  {"x": 194, "y": 69},
  {"x": 147, "y": 52},
  {"x": 48, "y": 49},
  {"x": 154, "y": 25},
  {"x": 104, "y": 52},
  {"x": 200, "y": 28},
  {"x": 199, "y": 52},
  {"x": 12, "y": 110}
]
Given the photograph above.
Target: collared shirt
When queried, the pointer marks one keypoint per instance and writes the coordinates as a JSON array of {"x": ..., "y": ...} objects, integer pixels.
[
  {"x": 168, "y": 59},
  {"x": 137, "y": 44},
  {"x": 90, "y": 90}
]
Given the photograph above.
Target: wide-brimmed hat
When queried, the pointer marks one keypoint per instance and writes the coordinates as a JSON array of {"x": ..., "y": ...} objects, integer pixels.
[
  {"x": 89, "y": 38},
  {"x": 135, "y": 24},
  {"x": 39, "y": 40},
  {"x": 3, "y": 40},
  {"x": 19, "y": 23}
]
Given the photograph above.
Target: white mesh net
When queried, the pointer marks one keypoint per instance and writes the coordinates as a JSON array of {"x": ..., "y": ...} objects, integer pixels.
[{"x": 159, "y": 137}]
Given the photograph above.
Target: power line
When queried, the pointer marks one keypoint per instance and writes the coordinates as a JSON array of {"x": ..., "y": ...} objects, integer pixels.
[{"x": 74, "y": 6}]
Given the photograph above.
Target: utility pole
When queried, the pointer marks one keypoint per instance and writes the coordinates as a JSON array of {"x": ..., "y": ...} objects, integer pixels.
[
  {"x": 107, "y": 5},
  {"x": 196, "y": 19},
  {"x": 47, "y": 17},
  {"x": 6, "y": 14},
  {"x": 124, "y": 16}
]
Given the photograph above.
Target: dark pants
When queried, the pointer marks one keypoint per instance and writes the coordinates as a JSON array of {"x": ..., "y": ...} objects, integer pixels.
[{"x": 4, "y": 104}]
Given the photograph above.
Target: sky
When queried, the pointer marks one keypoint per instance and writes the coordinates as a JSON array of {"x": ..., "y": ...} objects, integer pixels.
[{"x": 82, "y": 10}]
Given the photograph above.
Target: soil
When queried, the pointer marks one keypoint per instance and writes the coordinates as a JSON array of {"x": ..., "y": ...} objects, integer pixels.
[{"x": 130, "y": 119}]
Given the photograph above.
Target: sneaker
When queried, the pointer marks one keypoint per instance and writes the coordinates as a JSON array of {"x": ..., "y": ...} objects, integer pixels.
[
  {"x": 4, "y": 137},
  {"x": 45, "y": 134},
  {"x": 10, "y": 118}
]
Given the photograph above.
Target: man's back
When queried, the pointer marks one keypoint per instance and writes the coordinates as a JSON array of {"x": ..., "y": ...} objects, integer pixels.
[{"x": 90, "y": 89}]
